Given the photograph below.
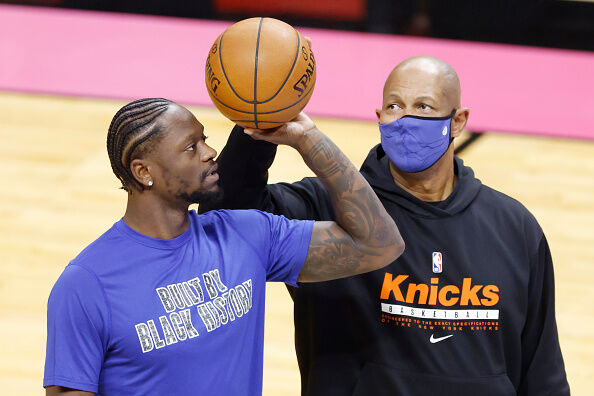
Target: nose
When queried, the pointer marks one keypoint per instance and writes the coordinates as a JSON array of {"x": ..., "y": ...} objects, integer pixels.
[{"x": 208, "y": 153}]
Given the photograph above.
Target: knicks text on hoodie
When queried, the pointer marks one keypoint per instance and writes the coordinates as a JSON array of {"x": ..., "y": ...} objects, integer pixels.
[{"x": 447, "y": 295}]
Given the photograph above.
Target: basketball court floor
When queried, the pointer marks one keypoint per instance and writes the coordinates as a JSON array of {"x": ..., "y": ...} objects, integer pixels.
[{"x": 58, "y": 194}]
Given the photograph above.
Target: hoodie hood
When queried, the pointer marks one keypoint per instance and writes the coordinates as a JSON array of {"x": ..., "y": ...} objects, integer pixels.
[{"x": 376, "y": 169}]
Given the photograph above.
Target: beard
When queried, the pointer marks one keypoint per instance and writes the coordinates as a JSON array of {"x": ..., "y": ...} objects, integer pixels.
[
  {"x": 208, "y": 197},
  {"x": 203, "y": 197}
]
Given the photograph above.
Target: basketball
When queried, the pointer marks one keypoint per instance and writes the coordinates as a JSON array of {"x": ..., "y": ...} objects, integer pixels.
[{"x": 260, "y": 73}]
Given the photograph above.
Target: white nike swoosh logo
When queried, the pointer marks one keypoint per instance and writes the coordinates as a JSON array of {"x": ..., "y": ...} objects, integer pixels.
[{"x": 434, "y": 340}]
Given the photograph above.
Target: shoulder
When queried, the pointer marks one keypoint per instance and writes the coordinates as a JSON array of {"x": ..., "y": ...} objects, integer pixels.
[
  {"x": 503, "y": 202},
  {"x": 249, "y": 223},
  {"x": 78, "y": 289},
  {"x": 76, "y": 277},
  {"x": 232, "y": 217},
  {"x": 509, "y": 212},
  {"x": 76, "y": 285},
  {"x": 104, "y": 249},
  {"x": 81, "y": 281},
  {"x": 234, "y": 225}
]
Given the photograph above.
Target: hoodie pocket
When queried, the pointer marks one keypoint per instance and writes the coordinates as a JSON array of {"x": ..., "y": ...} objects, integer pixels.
[{"x": 378, "y": 380}]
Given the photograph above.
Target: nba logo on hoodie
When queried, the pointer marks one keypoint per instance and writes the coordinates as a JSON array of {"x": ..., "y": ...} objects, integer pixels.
[{"x": 437, "y": 263}]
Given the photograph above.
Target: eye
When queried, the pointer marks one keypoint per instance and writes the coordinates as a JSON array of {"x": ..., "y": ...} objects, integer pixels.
[
  {"x": 191, "y": 147},
  {"x": 393, "y": 106},
  {"x": 424, "y": 106}
]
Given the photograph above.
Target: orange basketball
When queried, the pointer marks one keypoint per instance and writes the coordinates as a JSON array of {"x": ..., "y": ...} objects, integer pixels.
[{"x": 260, "y": 73}]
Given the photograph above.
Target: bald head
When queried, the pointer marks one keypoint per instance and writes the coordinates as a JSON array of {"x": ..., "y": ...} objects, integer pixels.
[
  {"x": 427, "y": 73},
  {"x": 423, "y": 86}
]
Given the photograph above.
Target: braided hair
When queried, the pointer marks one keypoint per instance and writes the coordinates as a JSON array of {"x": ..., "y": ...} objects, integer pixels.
[{"x": 130, "y": 131}]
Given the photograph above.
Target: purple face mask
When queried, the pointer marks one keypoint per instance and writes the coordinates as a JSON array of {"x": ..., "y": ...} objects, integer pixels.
[{"x": 415, "y": 143}]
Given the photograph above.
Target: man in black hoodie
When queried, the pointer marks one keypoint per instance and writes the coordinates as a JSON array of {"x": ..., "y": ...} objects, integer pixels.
[{"x": 468, "y": 309}]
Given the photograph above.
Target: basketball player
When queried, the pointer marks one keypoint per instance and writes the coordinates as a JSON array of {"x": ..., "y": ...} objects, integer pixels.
[
  {"x": 168, "y": 302},
  {"x": 468, "y": 309}
]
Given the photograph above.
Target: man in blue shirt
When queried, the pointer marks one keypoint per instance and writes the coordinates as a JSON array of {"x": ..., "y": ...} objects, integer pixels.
[{"x": 169, "y": 302}]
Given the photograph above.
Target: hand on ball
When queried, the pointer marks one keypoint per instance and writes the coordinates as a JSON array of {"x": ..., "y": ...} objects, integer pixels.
[{"x": 288, "y": 134}]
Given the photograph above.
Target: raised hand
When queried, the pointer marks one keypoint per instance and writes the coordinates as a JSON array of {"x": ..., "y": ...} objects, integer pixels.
[
  {"x": 364, "y": 237},
  {"x": 289, "y": 134}
]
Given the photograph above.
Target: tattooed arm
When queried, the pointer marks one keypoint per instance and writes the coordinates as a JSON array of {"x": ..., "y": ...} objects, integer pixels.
[{"x": 364, "y": 237}]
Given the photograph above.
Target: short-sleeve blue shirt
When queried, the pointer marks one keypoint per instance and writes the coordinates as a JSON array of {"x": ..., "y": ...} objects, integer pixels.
[{"x": 135, "y": 315}]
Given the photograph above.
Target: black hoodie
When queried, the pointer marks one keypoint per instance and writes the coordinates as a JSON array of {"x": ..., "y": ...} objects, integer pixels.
[{"x": 468, "y": 309}]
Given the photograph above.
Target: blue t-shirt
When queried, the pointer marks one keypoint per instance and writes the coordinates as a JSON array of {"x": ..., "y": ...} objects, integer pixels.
[{"x": 135, "y": 315}]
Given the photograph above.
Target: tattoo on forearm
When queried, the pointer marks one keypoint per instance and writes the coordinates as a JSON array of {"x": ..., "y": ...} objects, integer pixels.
[
  {"x": 365, "y": 231},
  {"x": 327, "y": 158},
  {"x": 332, "y": 257}
]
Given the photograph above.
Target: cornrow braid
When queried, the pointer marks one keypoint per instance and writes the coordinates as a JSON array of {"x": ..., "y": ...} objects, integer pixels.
[{"x": 133, "y": 125}]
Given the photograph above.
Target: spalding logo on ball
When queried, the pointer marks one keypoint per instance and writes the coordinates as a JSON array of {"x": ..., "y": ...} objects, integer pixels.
[{"x": 260, "y": 73}]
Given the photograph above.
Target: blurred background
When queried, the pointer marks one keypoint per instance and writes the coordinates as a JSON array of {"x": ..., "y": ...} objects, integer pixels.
[
  {"x": 546, "y": 23},
  {"x": 527, "y": 73}
]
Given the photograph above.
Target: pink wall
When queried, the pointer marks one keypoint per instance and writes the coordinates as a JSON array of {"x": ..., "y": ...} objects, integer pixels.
[{"x": 508, "y": 88}]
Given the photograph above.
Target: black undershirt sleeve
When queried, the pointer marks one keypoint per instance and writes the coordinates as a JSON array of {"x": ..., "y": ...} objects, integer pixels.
[{"x": 243, "y": 176}]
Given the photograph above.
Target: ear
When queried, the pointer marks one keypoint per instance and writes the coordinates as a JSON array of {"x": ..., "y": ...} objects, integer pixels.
[
  {"x": 377, "y": 113},
  {"x": 141, "y": 171},
  {"x": 459, "y": 121}
]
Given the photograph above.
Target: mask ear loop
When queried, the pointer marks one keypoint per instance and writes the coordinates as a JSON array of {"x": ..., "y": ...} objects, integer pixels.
[{"x": 452, "y": 114}]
